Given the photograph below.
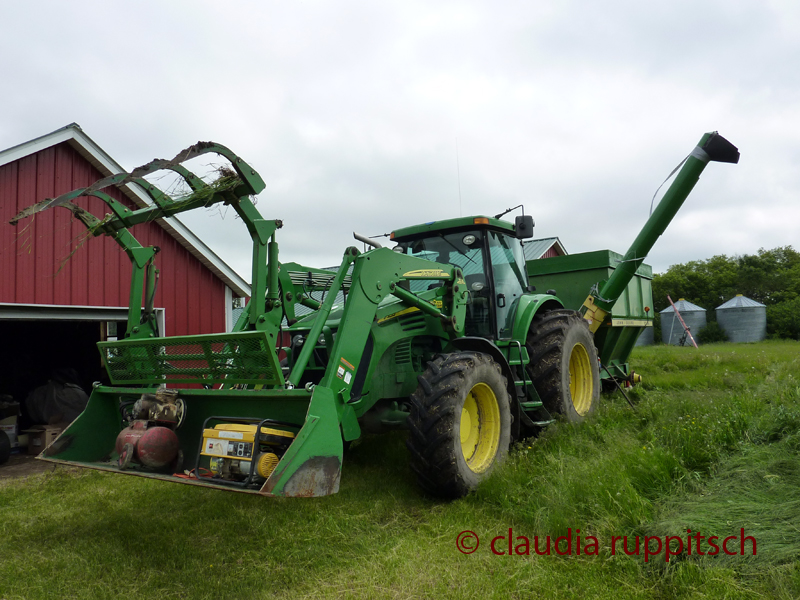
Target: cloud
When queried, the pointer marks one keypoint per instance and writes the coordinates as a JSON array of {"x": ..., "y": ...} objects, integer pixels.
[{"x": 372, "y": 116}]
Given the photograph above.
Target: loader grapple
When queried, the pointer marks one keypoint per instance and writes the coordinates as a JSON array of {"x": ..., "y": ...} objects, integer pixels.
[{"x": 227, "y": 358}]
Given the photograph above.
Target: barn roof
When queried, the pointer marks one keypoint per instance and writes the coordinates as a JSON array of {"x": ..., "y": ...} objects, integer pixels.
[
  {"x": 535, "y": 249},
  {"x": 86, "y": 147}
]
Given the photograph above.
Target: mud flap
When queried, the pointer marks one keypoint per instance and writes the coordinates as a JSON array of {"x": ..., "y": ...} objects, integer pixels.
[{"x": 312, "y": 465}]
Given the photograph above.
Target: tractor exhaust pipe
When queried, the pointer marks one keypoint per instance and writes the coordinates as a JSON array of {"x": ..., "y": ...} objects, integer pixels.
[{"x": 366, "y": 240}]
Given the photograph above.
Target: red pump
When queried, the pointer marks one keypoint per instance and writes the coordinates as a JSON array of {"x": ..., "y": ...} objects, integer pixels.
[{"x": 150, "y": 439}]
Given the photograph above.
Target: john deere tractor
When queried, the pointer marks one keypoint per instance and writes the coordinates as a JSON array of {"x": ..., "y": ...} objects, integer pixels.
[{"x": 443, "y": 334}]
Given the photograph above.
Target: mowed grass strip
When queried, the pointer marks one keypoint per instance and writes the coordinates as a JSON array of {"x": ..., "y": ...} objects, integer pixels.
[{"x": 712, "y": 446}]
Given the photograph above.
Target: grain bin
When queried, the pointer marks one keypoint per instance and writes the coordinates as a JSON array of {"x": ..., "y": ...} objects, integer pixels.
[
  {"x": 743, "y": 319},
  {"x": 646, "y": 338},
  {"x": 671, "y": 328}
]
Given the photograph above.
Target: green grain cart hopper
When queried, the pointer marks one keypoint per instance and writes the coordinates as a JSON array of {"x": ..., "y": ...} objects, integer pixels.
[
  {"x": 571, "y": 275},
  {"x": 442, "y": 334}
]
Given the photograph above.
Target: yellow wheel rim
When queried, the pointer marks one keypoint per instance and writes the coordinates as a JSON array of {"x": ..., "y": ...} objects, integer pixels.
[
  {"x": 580, "y": 379},
  {"x": 480, "y": 428}
]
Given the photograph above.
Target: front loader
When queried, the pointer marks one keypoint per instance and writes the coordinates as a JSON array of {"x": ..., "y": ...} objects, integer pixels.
[{"x": 442, "y": 335}]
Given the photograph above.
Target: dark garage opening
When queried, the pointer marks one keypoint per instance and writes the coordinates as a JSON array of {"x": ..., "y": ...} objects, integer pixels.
[{"x": 34, "y": 349}]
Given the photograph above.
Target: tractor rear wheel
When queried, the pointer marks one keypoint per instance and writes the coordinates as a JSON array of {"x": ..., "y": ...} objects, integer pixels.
[
  {"x": 564, "y": 366},
  {"x": 460, "y": 423}
]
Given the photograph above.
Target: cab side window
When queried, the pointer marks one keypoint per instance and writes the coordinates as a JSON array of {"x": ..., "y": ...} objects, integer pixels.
[{"x": 510, "y": 279}]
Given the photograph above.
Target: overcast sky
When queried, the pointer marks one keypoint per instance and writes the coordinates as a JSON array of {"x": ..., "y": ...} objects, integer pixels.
[{"x": 370, "y": 116}]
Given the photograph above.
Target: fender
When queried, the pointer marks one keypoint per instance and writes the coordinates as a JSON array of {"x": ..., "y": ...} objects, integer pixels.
[
  {"x": 479, "y": 344},
  {"x": 529, "y": 306}
]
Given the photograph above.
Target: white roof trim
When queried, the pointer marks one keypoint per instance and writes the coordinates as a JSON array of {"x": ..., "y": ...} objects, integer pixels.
[
  {"x": 561, "y": 247},
  {"x": 11, "y": 311},
  {"x": 73, "y": 134}
]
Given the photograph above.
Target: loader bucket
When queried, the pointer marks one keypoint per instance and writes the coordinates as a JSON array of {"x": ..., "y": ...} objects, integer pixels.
[{"x": 309, "y": 466}]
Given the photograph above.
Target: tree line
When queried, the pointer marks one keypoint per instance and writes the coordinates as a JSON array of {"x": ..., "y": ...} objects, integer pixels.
[{"x": 771, "y": 277}]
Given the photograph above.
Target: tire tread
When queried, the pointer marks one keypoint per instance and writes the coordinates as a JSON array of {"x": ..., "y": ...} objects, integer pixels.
[{"x": 433, "y": 436}]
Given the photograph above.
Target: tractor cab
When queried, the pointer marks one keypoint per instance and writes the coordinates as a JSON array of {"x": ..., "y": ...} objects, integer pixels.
[{"x": 489, "y": 253}]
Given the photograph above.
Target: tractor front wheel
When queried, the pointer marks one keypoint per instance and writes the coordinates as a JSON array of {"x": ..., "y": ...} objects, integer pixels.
[
  {"x": 460, "y": 423},
  {"x": 564, "y": 366}
]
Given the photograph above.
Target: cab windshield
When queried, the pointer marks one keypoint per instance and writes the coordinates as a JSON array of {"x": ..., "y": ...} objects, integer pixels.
[
  {"x": 463, "y": 250},
  {"x": 494, "y": 270}
]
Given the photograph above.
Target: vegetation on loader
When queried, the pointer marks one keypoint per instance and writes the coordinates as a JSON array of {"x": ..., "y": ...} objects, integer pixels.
[{"x": 443, "y": 334}]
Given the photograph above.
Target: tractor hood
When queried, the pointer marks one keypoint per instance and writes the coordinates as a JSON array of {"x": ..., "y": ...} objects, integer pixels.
[{"x": 388, "y": 308}]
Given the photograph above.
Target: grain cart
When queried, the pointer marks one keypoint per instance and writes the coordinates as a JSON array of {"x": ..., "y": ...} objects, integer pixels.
[{"x": 442, "y": 335}]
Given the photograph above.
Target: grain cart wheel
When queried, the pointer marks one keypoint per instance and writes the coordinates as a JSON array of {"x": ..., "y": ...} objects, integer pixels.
[
  {"x": 460, "y": 423},
  {"x": 564, "y": 367}
]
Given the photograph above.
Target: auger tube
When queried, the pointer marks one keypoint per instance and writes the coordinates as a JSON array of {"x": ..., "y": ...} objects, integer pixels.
[{"x": 711, "y": 148}]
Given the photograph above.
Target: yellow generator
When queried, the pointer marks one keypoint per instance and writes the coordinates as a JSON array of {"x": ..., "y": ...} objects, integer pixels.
[{"x": 235, "y": 455}]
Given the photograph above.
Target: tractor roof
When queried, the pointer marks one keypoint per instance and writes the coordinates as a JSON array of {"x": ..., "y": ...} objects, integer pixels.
[{"x": 404, "y": 233}]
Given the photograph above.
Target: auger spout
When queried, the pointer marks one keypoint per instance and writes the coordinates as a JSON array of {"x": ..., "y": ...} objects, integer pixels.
[{"x": 711, "y": 148}]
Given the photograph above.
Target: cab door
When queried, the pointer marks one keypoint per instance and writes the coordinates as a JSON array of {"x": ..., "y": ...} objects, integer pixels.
[{"x": 509, "y": 279}]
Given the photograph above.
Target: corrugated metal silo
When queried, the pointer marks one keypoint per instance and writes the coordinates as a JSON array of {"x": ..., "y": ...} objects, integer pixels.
[
  {"x": 743, "y": 319},
  {"x": 646, "y": 338},
  {"x": 671, "y": 328}
]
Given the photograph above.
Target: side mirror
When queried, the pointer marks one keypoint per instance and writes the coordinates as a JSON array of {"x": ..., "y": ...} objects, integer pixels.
[{"x": 523, "y": 227}]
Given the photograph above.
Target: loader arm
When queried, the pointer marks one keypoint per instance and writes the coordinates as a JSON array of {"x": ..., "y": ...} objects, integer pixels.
[
  {"x": 144, "y": 275},
  {"x": 376, "y": 275},
  {"x": 299, "y": 282},
  {"x": 312, "y": 463},
  {"x": 233, "y": 187}
]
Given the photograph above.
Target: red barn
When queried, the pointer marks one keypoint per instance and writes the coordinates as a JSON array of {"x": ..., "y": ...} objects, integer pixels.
[
  {"x": 61, "y": 293},
  {"x": 543, "y": 248}
]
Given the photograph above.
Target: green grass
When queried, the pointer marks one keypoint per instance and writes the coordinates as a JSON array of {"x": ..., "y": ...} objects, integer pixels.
[{"x": 713, "y": 446}]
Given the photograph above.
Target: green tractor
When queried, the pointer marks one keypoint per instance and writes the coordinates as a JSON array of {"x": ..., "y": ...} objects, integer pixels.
[
  {"x": 443, "y": 334},
  {"x": 466, "y": 387}
]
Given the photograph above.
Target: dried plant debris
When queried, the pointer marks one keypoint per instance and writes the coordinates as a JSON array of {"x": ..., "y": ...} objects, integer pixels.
[{"x": 228, "y": 180}]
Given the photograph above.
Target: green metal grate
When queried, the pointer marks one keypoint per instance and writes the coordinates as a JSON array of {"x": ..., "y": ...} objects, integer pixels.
[{"x": 229, "y": 358}]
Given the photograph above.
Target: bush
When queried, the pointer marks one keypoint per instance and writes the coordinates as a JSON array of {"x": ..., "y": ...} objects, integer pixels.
[
  {"x": 783, "y": 319},
  {"x": 711, "y": 334}
]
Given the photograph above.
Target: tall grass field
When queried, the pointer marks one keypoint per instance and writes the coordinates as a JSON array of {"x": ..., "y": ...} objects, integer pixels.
[{"x": 711, "y": 450}]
